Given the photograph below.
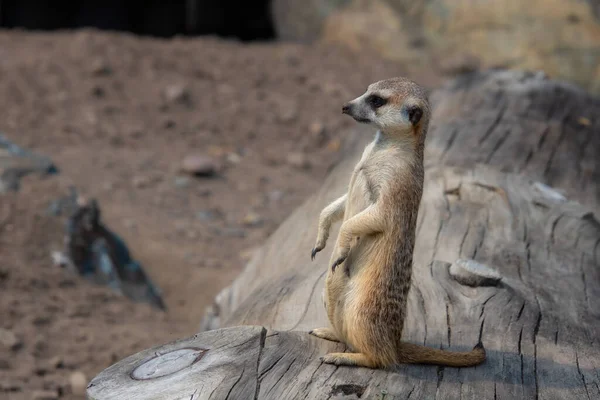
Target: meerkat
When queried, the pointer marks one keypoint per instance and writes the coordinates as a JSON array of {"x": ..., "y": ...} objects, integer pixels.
[{"x": 367, "y": 286}]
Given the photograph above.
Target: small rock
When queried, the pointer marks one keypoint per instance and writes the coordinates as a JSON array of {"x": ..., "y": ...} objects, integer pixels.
[
  {"x": 287, "y": 110},
  {"x": 317, "y": 128},
  {"x": 98, "y": 91},
  {"x": 199, "y": 165},
  {"x": 177, "y": 93},
  {"x": 209, "y": 215},
  {"x": 234, "y": 158},
  {"x": 78, "y": 382},
  {"x": 45, "y": 395},
  {"x": 56, "y": 362},
  {"x": 275, "y": 195},
  {"x": 182, "y": 181},
  {"x": 4, "y": 364},
  {"x": 10, "y": 340},
  {"x": 247, "y": 254},
  {"x": 584, "y": 121},
  {"x": 252, "y": 219},
  {"x": 334, "y": 145},
  {"x": 141, "y": 182},
  {"x": 298, "y": 160},
  {"x": 100, "y": 68},
  {"x": 129, "y": 223},
  {"x": 212, "y": 263},
  {"x": 169, "y": 124}
]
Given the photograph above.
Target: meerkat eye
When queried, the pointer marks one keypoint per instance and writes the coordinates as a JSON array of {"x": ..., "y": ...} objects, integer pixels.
[
  {"x": 376, "y": 101},
  {"x": 414, "y": 114}
]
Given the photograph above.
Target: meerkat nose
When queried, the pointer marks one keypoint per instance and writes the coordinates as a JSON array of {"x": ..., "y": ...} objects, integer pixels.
[{"x": 346, "y": 109}]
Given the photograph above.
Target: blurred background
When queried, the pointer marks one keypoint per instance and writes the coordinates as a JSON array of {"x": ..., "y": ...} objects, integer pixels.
[{"x": 198, "y": 126}]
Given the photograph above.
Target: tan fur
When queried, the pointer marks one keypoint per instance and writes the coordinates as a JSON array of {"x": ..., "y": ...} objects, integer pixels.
[{"x": 367, "y": 286}]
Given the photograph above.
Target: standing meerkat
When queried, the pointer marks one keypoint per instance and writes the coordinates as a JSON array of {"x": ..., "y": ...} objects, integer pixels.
[{"x": 366, "y": 289}]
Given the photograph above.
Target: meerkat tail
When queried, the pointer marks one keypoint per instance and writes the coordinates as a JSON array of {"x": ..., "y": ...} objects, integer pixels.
[{"x": 416, "y": 354}]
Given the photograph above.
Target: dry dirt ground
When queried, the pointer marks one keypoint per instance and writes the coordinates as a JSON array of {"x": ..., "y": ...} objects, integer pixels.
[{"x": 117, "y": 114}]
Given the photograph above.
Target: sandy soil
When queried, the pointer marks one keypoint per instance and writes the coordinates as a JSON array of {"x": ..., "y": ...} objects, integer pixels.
[{"x": 117, "y": 114}]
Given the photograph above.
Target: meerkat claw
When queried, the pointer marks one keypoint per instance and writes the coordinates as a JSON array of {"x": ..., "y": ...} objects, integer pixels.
[
  {"x": 314, "y": 253},
  {"x": 337, "y": 262}
]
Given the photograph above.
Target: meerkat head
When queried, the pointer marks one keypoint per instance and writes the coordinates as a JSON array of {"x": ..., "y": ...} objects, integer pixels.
[{"x": 395, "y": 105}]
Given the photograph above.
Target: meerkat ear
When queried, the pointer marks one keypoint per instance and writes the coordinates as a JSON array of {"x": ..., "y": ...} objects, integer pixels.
[{"x": 414, "y": 114}]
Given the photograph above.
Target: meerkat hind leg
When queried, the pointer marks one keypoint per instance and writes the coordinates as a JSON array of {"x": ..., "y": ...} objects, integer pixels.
[
  {"x": 349, "y": 359},
  {"x": 325, "y": 333}
]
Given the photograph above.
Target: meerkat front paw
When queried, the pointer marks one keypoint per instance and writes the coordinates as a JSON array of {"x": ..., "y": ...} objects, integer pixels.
[
  {"x": 342, "y": 255},
  {"x": 337, "y": 262},
  {"x": 315, "y": 250}
]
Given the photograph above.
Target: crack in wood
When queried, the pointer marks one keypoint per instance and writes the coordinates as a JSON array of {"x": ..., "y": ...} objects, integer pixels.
[
  {"x": 563, "y": 133},
  {"x": 581, "y": 374},
  {"x": 542, "y": 138},
  {"x": 280, "y": 377},
  {"x": 235, "y": 383},
  {"x": 497, "y": 146},
  {"x": 554, "y": 224},
  {"x": 521, "y": 312},
  {"x": 448, "y": 324},
  {"x": 450, "y": 142},
  {"x": 266, "y": 371},
  {"x": 479, "y": 245},
  {"x": 535, "y": 359},
  {"x": 583, "y": 278},
  {"x": 422, "y": 304},
  {"x": 495, "y": 122},
  {"x": 263, "y": 339}
]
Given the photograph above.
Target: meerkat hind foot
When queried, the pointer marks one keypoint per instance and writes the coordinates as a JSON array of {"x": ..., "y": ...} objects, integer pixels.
[
  {"x": 324, "y": 333},
  {"x": 348, "y": 359}
]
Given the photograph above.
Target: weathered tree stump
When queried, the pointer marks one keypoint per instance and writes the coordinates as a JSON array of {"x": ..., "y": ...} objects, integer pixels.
[{"x": 508, "y": 251}]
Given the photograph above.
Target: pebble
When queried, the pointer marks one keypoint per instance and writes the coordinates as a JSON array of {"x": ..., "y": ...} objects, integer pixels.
[
  {"x": 288, "y": 111},
  {"x": 199, "y": 165},
  {"x": 209, "y": 215},
  {"x": 141, "y": 182},
  {"x": 56, "y": 362},
  {"x": 100, "y": 68},
  {"x": 182, "y": 181},
  {"x": 45, "y": 395},
  {"x": 252, "y": 219},
  {"x": 298, "y": 160},
  {"x": 9, "y": 339},
  {"x": 129, "y": 223},
  {"x": 334, "y": 145},
  {"x": 317, "y": 128},
  {"x": 275, "y": 195},
  {"x": 234, "y": 158},
  {"x": 78, "y": 382},
  {"x": 177, "y": 93},
  {"x": 4, "y": 364}
]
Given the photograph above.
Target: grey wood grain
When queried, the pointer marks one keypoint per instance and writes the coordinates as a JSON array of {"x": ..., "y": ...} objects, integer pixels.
[{"x": 512, "y": 183}]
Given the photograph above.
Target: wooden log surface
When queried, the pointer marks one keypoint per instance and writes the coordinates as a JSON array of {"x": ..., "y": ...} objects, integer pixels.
[{"x": 507, "y": 251}]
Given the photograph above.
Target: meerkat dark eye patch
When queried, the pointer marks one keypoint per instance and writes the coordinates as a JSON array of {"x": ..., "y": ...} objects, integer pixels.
[
  {"x": 414, "y": 114},
  {"x": 376, "y": 101}
]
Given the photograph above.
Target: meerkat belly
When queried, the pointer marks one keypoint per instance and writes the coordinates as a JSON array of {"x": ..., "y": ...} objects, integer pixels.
[{"x": 339, "y": 284}]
